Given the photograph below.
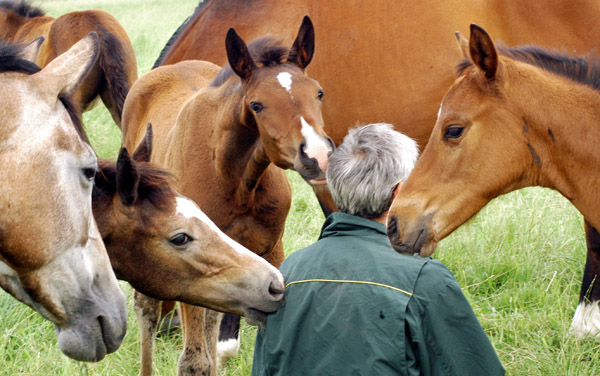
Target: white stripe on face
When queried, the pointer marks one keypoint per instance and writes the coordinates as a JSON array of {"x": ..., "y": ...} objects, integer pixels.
[
  {"x": 285, "y": 80},
  {"x": 439, "y": 111},
  {"x": 314, "y": 142},
  {"x": 189, "y": 209}
]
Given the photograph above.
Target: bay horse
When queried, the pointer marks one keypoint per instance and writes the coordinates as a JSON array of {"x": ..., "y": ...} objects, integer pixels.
[
  {"x": 115, "y": 69},
  {"x": 514, "y": 117},
  {"x": 167, "y": 248},
  {"x": 227, "y": 135},
  {"x": 51, "y": 255}
]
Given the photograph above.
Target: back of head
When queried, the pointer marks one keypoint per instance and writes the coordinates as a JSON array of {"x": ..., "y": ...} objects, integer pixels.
[{"x": 364, "y": 170}]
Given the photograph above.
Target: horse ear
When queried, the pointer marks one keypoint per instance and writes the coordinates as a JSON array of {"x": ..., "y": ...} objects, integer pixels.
[
  {"x": 303, "y": 48},
  {"x": 144, "y": 149},
  {"x": 32, "y": 49},
  {"x": 128, "y": 178},
  {"x": 238, "y": 55},
  {"x": 463, "y": 44},
  {"x": 483, "y": 52},
  {"x": 68, "y": 70}
]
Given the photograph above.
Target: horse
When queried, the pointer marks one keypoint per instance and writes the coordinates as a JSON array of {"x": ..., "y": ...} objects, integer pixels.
[
  {"x": 51, "y": 255},
  {"x": 115, "y": 69},
  {"x": 167, "y": 248},
  {"x": 530, "y": 113},
  {"x": 378, "y": 67},
  {"x": 227, "y": 134}
]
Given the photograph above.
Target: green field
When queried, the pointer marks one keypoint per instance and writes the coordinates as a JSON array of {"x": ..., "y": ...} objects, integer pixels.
[{"x": 520, "y": 261}]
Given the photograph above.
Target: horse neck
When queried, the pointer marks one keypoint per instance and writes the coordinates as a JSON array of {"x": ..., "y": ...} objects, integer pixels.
[
  {"x": 239, "y": 152},
  {"x": 9, "y": 24},
  {"x": 560, "y": 125}
]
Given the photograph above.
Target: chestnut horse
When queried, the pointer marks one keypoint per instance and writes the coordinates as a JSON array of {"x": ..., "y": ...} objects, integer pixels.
[
  {"x": 378, "y": 66},
  {"x": 115, "y": 69},
  {"x": 166, "y": 248},
  {"x": 533, "y": 113},
  {"x": 227, "y": 134},
  {"x": 51, "y": 255}
]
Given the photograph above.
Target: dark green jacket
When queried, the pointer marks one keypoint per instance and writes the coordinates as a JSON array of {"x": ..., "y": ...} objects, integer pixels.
[{"x": 353, "y": 306}]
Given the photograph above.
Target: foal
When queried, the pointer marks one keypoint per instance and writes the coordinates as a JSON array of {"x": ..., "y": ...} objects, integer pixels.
[{"x": 227, "y": 134}]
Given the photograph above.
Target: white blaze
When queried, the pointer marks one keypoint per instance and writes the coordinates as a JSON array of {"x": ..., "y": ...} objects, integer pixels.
[
  {"x": 189, "y": 209},
  {"x": 285, "y": 80},
  {"x": 314, "y": 142}
]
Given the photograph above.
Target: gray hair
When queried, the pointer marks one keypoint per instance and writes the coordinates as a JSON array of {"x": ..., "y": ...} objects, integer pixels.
[{"x": 364, "y": 170}]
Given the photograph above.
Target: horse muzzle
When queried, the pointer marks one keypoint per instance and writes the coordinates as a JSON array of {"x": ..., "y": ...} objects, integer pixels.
[
  {"x": 311, "y": 162},
  {"x": 411, "y": 237}
]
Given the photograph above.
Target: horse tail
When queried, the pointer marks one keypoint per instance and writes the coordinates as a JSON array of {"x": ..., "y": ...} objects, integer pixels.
[{"x": 111, "y": 61}]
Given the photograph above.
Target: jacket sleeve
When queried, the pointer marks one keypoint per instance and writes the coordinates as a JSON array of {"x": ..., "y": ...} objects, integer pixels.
[{"x": 447, "y": 338}]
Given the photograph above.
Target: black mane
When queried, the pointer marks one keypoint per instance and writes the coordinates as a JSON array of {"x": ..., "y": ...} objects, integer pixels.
[
  {"x": 176, "y": 34},
  {"x": 583, "y": 69},
  {"x": 23, "y": 8},
  {"x": 11, "y": 61},
  {"x": 154, "y": 184},
  {"x": 266, "y": 51}
]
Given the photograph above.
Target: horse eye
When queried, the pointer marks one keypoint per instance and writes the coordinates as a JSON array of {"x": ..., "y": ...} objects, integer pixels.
[
  {"x": 89, "y": 173},
  {"x": 256, "y": 107},
  {"x": 320, "y": 94},
  {"x": 453, "y": 131},
  {"x": 180, "y": 240}
]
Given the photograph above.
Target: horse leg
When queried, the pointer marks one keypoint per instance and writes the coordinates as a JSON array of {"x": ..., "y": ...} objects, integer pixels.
[
  {"x": 325, "y": 199},
  {"x": 586, "y": 320},
  {"x": 196, "y": 358},
  {"x": 229, "y": 331},
  {"x": 147, "y": 310}
]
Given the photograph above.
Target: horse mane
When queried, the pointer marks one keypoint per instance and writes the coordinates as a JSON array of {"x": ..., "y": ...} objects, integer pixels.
[
  {"x": 11, "y": 61},
  {"x": 176, "y": 34},
  {"x": 266, "y": 51},
  {"x": 23, "y": 8},
  {"x": 583, "y": 69},
  {"x": 154, "y": 184}
]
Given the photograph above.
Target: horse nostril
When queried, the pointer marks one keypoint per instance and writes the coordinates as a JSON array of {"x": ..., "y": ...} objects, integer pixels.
[
  {"x": 392, "y": 228},
  {"x": 332, "y": 144},
  {"x": 302, "y": 148},
  {"x": 276, "y": 289}
]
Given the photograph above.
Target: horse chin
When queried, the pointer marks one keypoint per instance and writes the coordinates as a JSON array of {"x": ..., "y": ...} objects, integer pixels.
[
  {"x": 76, "y": 344},
  {"x": 255, "y": 317},
  {"x": 428, "y": 249},
  {"x": 317, "y": 182}
]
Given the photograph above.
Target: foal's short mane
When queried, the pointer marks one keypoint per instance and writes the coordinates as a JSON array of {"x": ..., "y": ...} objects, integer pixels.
[
  {"x": 176, "y": 34},
  {"x": 583, "y": 69},
  {"x": 11, "y": 61},
  {"x": 266, "y": 51},
  {"x": 23, "y": 8},
  {"x": 154, "y": 184}
]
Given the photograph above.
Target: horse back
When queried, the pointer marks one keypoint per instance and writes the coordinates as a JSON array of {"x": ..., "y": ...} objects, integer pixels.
[{"x": 157, "y": 98}]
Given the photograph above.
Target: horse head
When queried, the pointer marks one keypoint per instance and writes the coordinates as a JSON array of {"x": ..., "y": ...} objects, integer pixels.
[
  {"x": 51, "y": 254},
  {"x": 283, "y": 102}
]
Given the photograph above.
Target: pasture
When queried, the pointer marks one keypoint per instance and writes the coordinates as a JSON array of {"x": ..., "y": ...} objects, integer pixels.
[{"x": 519, "y": 261}]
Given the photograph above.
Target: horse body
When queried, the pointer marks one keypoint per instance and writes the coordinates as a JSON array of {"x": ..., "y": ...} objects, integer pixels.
[
  {"x": 377, "y": 67},
  {"x": 116, "y": 68},
  {"x": 227, "y": 134},
  {"x": 51, "y": 254},
  {"x": 521, "y": 117}
]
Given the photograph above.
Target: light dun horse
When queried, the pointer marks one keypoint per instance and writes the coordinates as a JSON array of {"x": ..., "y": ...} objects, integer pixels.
[
  {"x": 51, "y": 255},
  {"x": 513, "y": 118},
  {"x": 115, "y": 69},
  {"x": 161, "y": 243},
  {"x": 227, "y": 134}
]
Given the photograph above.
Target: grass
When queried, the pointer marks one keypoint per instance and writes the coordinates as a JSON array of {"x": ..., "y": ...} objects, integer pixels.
[{"x": 520, "y": 261}]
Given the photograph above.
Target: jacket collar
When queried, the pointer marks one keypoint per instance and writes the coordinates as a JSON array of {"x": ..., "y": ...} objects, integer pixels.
[{"x": 339, "y": 223}]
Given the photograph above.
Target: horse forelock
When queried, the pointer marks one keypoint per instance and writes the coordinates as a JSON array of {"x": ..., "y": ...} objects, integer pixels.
[
  {"x": 583, "y": 69},
  {"x": 267, "y": 51},
  {"x": 22, "y": 8},
  {"x": 155, "y": 184}
]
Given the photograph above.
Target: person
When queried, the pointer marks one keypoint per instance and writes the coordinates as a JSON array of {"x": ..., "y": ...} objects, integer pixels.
[{"x": 353, "y": 306}]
